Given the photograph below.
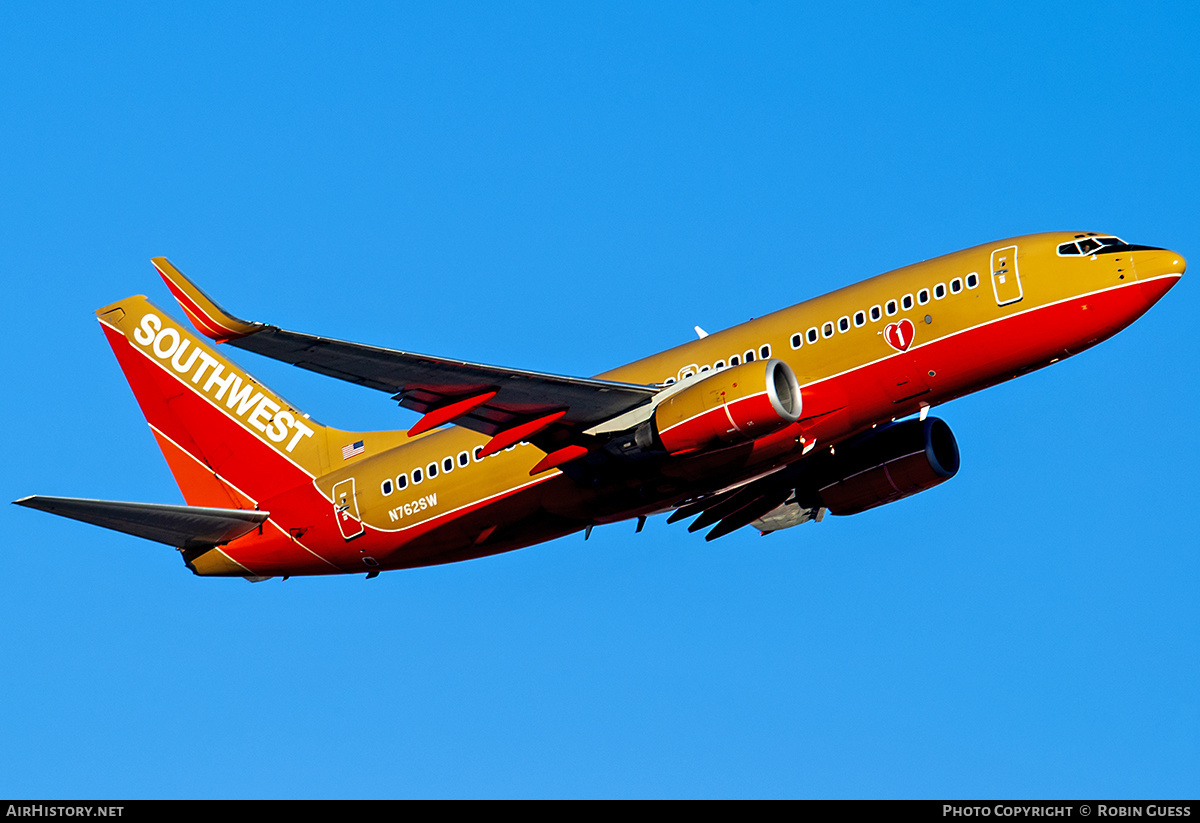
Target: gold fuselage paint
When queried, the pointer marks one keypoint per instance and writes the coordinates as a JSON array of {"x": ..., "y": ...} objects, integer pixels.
[
  {"x": 838, "y": 333},
  {"x": 863, "y": 355}
]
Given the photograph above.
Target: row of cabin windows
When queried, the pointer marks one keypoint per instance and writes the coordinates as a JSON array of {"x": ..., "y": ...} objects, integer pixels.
[
  {"x": 890, "y": 308},
  {"x": 445, "y": 466},
  {"x": 748, "y": 356},
  {"x": 827, "y": 329}
]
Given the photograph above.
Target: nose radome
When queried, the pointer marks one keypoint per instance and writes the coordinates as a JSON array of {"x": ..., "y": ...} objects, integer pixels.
[
  {"x": 1159, "y": 262},
  {"x": 1158, "y": 274}
]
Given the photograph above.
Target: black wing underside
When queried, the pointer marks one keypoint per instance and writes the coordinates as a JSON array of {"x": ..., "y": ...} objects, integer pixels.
[
  {"x": 489, "y": 399},
  {"x": 425, "y": 383}
]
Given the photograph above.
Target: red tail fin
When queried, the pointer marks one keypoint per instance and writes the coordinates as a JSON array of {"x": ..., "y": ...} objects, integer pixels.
[{"x": 229, "y": 440}]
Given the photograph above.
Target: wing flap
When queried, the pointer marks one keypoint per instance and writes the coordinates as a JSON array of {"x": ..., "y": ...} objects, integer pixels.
[{"x": 184, "y": 527}]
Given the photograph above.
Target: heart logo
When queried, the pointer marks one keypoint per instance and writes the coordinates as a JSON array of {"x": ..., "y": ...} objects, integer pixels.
[{"x": 900, "y": 335}]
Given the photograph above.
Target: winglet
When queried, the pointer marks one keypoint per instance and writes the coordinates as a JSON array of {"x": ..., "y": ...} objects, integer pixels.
[{"x": 209, "y": 318}]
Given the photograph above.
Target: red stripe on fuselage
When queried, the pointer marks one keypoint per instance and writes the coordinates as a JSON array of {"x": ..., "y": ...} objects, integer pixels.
[
  {"x": 961, "y": 362},
  {"x": 972, "y": 359},
  {"x": 969, "y": 360},
  {"x": 305, "y": 538},
  {"x": 202, "y": 430}
]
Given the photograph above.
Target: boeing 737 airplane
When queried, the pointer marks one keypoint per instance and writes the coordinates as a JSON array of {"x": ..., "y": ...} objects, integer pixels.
[{"x": 818, "y": 408}]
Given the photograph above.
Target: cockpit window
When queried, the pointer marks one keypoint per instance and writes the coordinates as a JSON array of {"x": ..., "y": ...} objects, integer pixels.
[
  {"x": 1127, "y": 247},
  {"x": 1088, "y": 245}
]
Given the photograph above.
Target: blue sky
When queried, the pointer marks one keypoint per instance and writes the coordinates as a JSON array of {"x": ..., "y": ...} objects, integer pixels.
[{"x": 567, "y": 188}]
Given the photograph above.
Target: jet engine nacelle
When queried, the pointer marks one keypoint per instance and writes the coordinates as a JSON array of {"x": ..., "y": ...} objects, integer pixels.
[
  {"x": 890, "y": 464},
  {"x": 732, "y": 405}
]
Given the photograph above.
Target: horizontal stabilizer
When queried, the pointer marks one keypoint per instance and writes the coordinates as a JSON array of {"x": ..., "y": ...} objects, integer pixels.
[{"x": 184, "y": 527}]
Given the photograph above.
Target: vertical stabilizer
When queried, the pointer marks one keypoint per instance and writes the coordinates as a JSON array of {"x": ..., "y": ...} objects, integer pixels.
[{"x": 230, "y": 441}]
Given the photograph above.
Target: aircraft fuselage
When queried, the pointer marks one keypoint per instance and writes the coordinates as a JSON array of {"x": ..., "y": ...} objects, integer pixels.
[
  {"x": 965, "y": 321},
  {"x": 876, "y": 351}
]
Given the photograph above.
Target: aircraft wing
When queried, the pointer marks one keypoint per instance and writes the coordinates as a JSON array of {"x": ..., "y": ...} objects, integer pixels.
[{"x": 489, "y": 399}]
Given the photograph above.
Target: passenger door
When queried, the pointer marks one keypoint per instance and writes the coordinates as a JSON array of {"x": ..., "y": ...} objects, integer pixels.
[
  {"x": 345, "y": 509},
  {"x": 1006, "y": 277}
]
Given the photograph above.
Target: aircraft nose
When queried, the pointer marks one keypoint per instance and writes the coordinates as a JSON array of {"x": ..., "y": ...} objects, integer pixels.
[{"x": 1157, "y": 275}]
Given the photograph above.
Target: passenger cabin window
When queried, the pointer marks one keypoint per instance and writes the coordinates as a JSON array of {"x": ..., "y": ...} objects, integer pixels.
[
  {"x": 401, "y": 482},
  {"x": 749, "y": 355},
  {"x": 923, "y": 296},
  {"x": 827, "y": 330},
  {"x": 956, "y": 285},
  {"x": 812, "y": 334},
  {"x": 797, "y": 341},
  {"x": 939, "y": 291},
  {"x": 386, "y": 488},
  {"x": 860, "y": 319},
  {"x": 447, "y": 464},
  {"x": 431, "y": 470},
  {"x": 876, "y": 312},
  {"x": 720, "y": 364},
  {"x": 475, "y": 451},
  {"x": 734, "y": 360},
  {"x": 972, "y": 280},
  {"x": 843, "y": 324},
  {"x": 463, "y": 458},
  {"x": 906, "y": 302},
  {"x": 764, "y": 351},
  {"x": 418, "y": 477},
  {"x": 891, "y": 307}
]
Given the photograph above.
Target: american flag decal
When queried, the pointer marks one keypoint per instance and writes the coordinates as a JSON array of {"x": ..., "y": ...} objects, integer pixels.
[{"x": 352, "y": 450}]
